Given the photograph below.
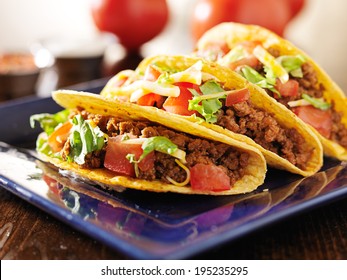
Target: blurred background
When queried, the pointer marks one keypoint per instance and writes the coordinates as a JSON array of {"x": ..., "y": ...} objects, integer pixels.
[{"x": 82, "y": 40}]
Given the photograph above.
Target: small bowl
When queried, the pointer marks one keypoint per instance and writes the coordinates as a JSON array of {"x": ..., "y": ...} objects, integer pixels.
[
  {"x": 18, "y": 75},
  {"x": 78, "y": 60}
]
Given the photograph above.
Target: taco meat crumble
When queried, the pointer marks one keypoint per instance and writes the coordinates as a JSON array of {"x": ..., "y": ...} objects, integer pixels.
[
  {"x": 259, "y": 125},
  {"x": 233, "y": 162},
  {"x": 310, "y": 85}
]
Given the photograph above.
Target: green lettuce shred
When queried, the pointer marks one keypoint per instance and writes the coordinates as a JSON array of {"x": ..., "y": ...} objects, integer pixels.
[
  {"x": 208, "y": 108},
  {"x": 316, "y": 102},
  {"x": 292, "y": 64},
  {"x": 156, "y": 143},
  {"x": 49, "y": 122},
  {"x": 159, "y": 144},
  {"x": 84, "y": 139},
  {"x": 267, "y": 82}
]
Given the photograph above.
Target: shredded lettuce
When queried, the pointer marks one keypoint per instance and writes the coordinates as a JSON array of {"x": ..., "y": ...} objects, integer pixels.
[
  {"x": 208, "y": 108},
  {"x": 233, "y": 55},
  {"x": 316, "y": 102},
  {"x": 84, "y": 139},
  {"x": 165, "y": 79},
  {"x": 211, "y": 87},
  {"x": 42, "y": 145},
  {"x": 48, "y": 122},
  {"x": 159, "y": 144},
  {"x": 267, "y": 82},
  {"x": 292, "y": 64}
]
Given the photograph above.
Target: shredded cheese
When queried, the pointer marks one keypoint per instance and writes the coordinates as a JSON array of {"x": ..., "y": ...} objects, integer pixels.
[
  {"x": 193, "y": 74},
  {"x": 186, "y": 181},
  {"x": 268, "y": 60},
  {"x": 137, "y": 94},
  {"x": 150, "y": 87},
  {"x": 135, "y": 141},
  {"x": 236, "y": 53},
  {"x": 208, "y": 76},
  {"x": 180, "y": 154},
  {"x": 297, "y": 103}
]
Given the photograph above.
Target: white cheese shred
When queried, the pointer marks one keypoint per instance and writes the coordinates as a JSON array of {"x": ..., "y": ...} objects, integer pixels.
[{"x": 186, "y": 181}]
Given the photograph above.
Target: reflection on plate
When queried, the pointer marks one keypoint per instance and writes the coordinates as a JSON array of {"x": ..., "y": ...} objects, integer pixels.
[{"x": 152, "y": 225}]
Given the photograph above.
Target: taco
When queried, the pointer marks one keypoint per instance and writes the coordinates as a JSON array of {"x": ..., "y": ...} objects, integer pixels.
[
  {"x": 117, "y": 144},
  {"x": 287, "y": 74},
  {"x": 219, "y": 99}
]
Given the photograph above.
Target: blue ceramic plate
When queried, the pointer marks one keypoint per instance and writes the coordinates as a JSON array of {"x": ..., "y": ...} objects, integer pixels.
[{"x": 150, "y": 225}]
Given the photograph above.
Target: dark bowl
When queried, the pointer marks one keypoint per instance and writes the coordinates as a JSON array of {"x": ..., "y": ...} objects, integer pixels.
[
  {"x": 18, "y": 75},
  {"x": 74, "y": 70}
]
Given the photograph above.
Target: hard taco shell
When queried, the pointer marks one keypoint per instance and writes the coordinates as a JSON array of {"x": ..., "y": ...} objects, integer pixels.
[
  {"x": 233, "y": 33},
  {"x": 259, "y": 99},
  {"x": 254, "y": 173}
]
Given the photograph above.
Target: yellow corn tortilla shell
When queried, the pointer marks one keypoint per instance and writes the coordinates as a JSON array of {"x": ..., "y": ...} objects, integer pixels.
[
  {"x": 93, "y": 103},
  {"x": 260, "y": 99},
  {"x": 233, "y": 33}
]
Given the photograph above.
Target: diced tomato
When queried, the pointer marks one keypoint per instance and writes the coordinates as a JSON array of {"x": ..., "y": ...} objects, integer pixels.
[
  {"x": 151, "y": 74},
  {"x": 209, "y": 177},
  {"x": 290, "y": 88},
  {"x": 221, "y": 46},
  {"x": 115, "y": 158},
  {"x": 151, "y": 99},
  {"x": 214, "y": 50},
  {"x": 319, "y": 119},
  {"x": 179, "y": 105},
  {"x": 237, "y": 97},
  {"x": 59, "y": 136},
  {"x": 249, "y": 45},
  {"x": 250, "y": 60}
]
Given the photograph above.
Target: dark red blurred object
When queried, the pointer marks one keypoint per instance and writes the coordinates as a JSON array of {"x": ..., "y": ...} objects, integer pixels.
[
  {"x": 271, "y": 14},
  {"x": 296, "y": 6},
  {"x": 134, "y": 22}
]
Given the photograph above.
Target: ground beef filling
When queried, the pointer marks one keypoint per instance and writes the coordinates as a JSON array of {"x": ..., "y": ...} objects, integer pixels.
[
  {"x": 232, "y": 161},
  {"x": 310, "y": 85},
  {"x": 262, "y": 127}
]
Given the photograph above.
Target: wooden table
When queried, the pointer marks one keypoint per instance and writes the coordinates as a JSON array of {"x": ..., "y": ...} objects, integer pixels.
[{"x": 32, "y": 234}]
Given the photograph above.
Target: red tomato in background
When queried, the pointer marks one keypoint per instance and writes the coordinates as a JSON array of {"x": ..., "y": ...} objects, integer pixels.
[
  {"x": 271, "y": 14},
  {"x": 134, "y": 22},
  {"x": 296, "y": 6}
]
